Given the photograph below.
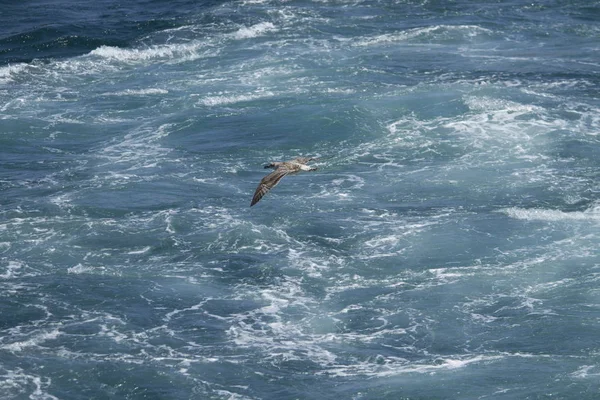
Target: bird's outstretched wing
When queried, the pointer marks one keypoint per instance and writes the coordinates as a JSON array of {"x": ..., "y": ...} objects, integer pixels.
[{"x": 267, "y": 183}]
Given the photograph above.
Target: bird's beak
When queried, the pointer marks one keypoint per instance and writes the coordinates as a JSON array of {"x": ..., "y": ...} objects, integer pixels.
[{"x": 268, "y": 166}]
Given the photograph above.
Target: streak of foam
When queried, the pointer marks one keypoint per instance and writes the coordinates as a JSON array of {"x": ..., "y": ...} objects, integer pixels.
[
  {"x": 139, "y": 149},
  {"x": 430, "y": 34},
  {"x": 393, "y": 244},
  {"x": 586, "y": 372},
  {"x": 540, "y": 214},
  {"x": 395, "y": 232},
  {"x": 390, "y": 366},
  {"x": 140, "y": 92},
  {"x": 314, "y": 266},
  {"x": 342, "y": 188},
  {"x": 221, "y": 231}
]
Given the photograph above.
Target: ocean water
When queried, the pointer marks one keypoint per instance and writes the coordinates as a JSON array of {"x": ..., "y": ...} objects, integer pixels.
[{"x": 446, "y": 248}]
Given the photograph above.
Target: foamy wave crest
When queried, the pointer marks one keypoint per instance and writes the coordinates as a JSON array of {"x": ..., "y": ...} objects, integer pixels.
[
  {"x": 7, "y": 73},
  {"x": 254, "y": 30},
  {"x": 540, "y": 214},
  {"x": 186, "y": 52}
]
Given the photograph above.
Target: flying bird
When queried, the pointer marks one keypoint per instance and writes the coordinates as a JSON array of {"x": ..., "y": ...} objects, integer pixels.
[{"x": 282, "y": 168}]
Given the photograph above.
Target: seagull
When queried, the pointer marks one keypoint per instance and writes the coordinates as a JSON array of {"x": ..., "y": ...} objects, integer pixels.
[{"x": 282, "y": 168}]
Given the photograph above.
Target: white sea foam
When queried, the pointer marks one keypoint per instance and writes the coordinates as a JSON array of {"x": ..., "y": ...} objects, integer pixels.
[
  {"x": 266, "y": 328},
  {"x": 140, "y": 251},
  {"x": 341, "y": 188},
  {"x": 179, "y": 52},
  {"x": 254, "y": 30},
  {"x": 18, "y": 382},
  {"x": 14, "y": 104},
  {"x": 540, "y": 214},
  {"x": 84, "y": 269},
  {"x": 8, "y": 72},
  {"x": 140, "y": 148},
  {"x": 483, "y": 103},
  {"x": 313, "y": 265},
  {"x": 229, "y": 395},
  {"x": 431, "y": 33},
  {"x": 35, "y": 340},
  {"x": 4, "y": 246},
  {"x": 12, "y": 270},
  {"x": 388, "y": 366},
  {"x": 586, "y": 371},
  {"x": 589, "y": 122},
  {"x": 226, "y": 98},
  {"x": 500, "y": 124},
  {"x": 139, "y": 92},
  {"x": 195, "y": 307}
]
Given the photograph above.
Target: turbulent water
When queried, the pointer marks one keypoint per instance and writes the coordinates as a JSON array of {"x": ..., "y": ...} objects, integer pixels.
[{"x": 446, "y": 248}]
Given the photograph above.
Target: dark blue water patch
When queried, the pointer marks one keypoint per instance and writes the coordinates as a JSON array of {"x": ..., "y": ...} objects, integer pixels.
[
  {"x": 127, "y": 302},
  {"x": 41, "y": 29},
  {"x": 153, "y": 196},
  {"x": 275, "y": 128},
  {"x": 30, "y": 173},
  {"x": 51, "y": 43},
  {"x": 585, "y": 12},
  {"x": 116, "y": 379},
  {"x": 18, "y": 313},
  {"x": 541, "y": 334},
  {"x": 257, "y": 270},
  {"x": 27, "y": 165},
  {"x": 584, "y": 152}
]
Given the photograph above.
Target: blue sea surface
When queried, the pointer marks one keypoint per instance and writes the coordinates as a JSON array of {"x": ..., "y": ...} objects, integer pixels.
[{"x": 447, "y": 247}]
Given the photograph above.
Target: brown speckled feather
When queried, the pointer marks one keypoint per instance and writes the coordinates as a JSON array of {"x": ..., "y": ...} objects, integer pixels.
[
  {"x": 281, "y": 169},
  {"x": 269, "y": 182}
]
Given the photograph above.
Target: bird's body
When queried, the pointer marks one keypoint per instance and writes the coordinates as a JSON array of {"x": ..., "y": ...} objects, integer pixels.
[{"x": 282, "y": 168}]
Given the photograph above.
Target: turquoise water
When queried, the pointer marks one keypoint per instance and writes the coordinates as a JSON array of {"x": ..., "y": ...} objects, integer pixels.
[{"x": 446, "y": 248}]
